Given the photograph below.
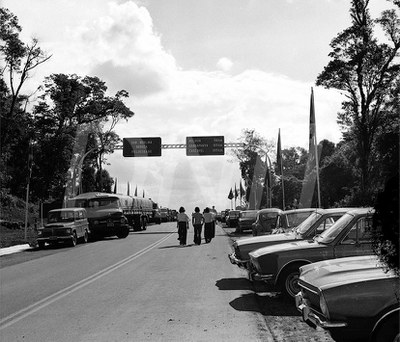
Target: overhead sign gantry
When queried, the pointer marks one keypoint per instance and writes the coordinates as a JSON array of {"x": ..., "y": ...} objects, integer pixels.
[{"x": 195, "y": 146}]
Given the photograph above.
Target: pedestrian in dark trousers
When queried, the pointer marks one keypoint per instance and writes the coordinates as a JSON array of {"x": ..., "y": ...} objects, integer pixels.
[
  {"x": 208, "y": 225},
  {"x": 197, "y": 221},
  {"x": 183, "y": 226}
]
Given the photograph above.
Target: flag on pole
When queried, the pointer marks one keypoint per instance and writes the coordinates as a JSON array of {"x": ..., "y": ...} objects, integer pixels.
[
  {"x": 128, "y": 190},
  {"x": 143, "y": 193},
  {"x": 236, "y": 192},
  {"x": 241, "y": 190},
  {"x": 230, "y": 196},
  {"x": 136, "y": 190},
  {"x": 312, "y": 169},
  {"x": 115, "y": 186}
]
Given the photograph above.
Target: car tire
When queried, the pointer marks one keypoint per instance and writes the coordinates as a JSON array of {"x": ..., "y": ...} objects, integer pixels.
[
  {"x": 288, "y": 281},
  {"x": 74, "y": 240},
  {"x": 388, "y": 330},
  {"x": 85, "y": 237},
  {"x": 123, "y": 233},
  {"x": 41, "y": 244}
]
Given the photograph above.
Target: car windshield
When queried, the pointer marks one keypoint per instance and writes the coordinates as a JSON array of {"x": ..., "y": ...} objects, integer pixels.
[
  {"x": 294, "y": 219},
  {"x": 109, "y": 202},
  {"x": 331, "y": 233},
  {"x": 61, "y": 216},
  {"x": 303, "y": 227},
  {"x": 248, "y": 214}
]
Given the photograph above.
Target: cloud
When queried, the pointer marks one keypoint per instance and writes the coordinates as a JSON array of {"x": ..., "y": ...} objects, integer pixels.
[
  {"x": 123, "y": 48},
  {"x": 224, "y": 64}
]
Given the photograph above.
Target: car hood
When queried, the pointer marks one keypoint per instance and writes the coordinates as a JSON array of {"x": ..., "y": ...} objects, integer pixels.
[
  {"x": 266, "y": 238},
  {"x": 286, "y": 247},
  {"x": 59, "y": 225},
  {"x": 332, "y": 273}
]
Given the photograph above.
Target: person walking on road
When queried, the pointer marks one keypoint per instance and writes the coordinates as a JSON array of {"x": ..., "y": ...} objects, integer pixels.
[
  {"x": 208, "y": 225},
  {"x": 183, "y": 226},
  {"x": 197, "y": 221}
]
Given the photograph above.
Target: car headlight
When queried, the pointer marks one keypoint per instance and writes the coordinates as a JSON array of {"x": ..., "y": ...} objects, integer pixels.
[
  {"x": 323, "y": 305},
  {"x": 122, "y": 220},
  {"x": 68, "y": 231}
]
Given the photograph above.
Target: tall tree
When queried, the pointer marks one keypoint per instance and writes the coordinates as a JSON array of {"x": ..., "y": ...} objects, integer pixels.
[
  {"x": 76, "y": 110},
  {"x": 19, "y": 61},
  {"x": 252, "y": 166},
  {"x": 366, "y": 72}
]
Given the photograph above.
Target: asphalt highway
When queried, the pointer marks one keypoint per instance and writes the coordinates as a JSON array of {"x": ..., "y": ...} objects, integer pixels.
[{"x": 142, "y": 288}]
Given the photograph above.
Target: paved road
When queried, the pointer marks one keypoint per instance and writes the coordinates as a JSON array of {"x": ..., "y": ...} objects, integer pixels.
[{"x": 142, "y": 288}]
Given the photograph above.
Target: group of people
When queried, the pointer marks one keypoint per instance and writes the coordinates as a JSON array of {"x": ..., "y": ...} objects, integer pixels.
[{"x": 199, "y": 219}]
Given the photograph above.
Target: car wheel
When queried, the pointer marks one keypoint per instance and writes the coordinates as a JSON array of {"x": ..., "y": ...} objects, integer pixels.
[
  {"x": 85, "y": 237},
  {"x": 41, "y": 244},
  {"x": 289, "y": 281},
  {"x": 74, "y": 240},
  {"x": 388, "y": 330},
  {"x": 123, "y": 233}
]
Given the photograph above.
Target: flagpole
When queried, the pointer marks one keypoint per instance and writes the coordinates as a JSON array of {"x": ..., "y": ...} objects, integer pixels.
[
  {"x": 316, "y": 148},
  {"x": 281, "y": 168}
]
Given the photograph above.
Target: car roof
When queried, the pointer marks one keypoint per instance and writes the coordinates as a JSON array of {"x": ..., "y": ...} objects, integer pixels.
[
  {"x": 270, "y": 210},
  {"x": 301, "y": 210}
]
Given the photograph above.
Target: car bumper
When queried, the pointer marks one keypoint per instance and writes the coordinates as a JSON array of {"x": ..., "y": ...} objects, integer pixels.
[
  {"x": 54, "y": 239},
  {"x": 234, "y": 260},
  {"x": 313, "y": 319}
]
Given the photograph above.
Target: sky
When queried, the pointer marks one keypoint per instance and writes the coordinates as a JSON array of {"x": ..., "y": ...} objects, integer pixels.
[{"x": 196, "y": 68}]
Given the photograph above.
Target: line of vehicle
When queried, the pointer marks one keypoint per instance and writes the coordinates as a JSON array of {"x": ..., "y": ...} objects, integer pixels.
[{"x": 19, "y": 315}]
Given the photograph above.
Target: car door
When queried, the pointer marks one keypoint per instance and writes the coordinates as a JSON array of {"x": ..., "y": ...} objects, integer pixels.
[{"x": 357, "y": 240}]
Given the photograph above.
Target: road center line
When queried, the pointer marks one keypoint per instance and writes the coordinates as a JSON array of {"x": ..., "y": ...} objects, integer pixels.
[{"x": 19, "y": 315}]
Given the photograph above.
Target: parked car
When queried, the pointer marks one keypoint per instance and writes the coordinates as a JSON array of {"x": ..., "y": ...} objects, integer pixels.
[
  {"x": 233, "y": 218},
  {"x": 246, "y": 220},
  {"x": 290, "y": 219},
  {"x": 352, "y": 298},
  {"x": 351, "y": 235},
  {"x": 316, "y": 223},
  {"x": 266, "y": 221},
  {"x": 64, "y": 225},
  {"x": 165, "y": 215}
]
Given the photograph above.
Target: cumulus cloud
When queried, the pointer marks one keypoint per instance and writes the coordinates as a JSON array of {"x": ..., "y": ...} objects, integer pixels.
[
  {"x": 224, "y": 64},
  {"x": 123, "y": 49}
]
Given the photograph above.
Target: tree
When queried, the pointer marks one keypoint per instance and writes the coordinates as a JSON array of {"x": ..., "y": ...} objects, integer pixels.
[
  {"x": 253, "y": 168},
  {"x": 366, "y": 72},
  {"x": 76, "y": 109},
  {"x": 20, "y": 59}
]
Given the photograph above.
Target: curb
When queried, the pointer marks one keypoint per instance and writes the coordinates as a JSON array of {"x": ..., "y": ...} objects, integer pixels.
[{"x": 14, "y": 249}]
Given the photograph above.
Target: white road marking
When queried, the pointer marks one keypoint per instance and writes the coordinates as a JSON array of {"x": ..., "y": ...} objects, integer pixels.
[{"x": 29, "y": 310}]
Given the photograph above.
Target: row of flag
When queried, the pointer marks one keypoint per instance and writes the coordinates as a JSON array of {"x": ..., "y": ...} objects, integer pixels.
[
  {"x": 311, "y": 174},
  {"x": 128, "y": 190},
  {"x": 238, "y": 193}
]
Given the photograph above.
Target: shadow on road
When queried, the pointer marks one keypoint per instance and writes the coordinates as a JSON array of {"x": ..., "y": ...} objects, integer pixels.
[
  {"x": 234, "y": 284},
  {"x": 263, "y": 300}
]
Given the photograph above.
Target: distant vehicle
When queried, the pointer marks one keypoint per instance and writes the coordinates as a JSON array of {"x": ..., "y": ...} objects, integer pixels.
[
  {"x": 351, "y": 235},
  {"x": 174, "y": 215},
  {"x": 223, "y": 216},
  {"x": 352, "y": 298},
  {"x": 316, "y": 223},
  {"x": 165, "y": 215},
  {"x": 233, "y": 218},
  {"x": 266, "y": 221},
  {"x": 113, "y": 214},
  {"x": 68, "y": 225},
  {"x": 246, "y": 220}
]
